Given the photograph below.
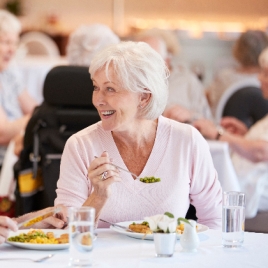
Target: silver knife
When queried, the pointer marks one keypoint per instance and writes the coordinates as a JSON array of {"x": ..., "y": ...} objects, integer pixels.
[{"x": 117, "y": 225}]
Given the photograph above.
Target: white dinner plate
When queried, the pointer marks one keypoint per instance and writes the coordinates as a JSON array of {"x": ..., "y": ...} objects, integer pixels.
[
  {"x": 200, "y": 229},
  {"x": 56, "y": 232}
]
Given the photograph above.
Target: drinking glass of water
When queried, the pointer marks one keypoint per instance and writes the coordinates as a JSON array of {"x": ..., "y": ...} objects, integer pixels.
[
  {"x": 81, "y": 234},
  {"x": 233, "y": 219}
]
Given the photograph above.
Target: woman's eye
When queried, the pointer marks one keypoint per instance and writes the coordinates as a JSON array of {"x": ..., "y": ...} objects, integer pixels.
[
  {"x": 109, "y": 89},
  {"x": 95, "y": 88}
]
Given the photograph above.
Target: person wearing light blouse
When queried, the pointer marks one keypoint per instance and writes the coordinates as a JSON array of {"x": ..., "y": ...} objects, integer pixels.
[{"x": 130, "y": 93}]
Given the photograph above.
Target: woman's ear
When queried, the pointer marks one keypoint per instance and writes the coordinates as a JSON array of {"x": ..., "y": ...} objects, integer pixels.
[{"x": 144, "y": 99}]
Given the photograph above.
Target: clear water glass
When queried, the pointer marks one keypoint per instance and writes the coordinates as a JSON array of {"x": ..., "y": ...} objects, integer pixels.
[
  {"x": 233, "y": 219},
  {"x": 81, "y": 234}
]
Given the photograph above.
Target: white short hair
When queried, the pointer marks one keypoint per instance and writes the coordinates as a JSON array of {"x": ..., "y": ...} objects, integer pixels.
[
  {"x": 140, "y": 69},
  {"x": 263, "y": 58},
  {"x": 9, "y": 22},
  {"x": 86, "y": 41}
]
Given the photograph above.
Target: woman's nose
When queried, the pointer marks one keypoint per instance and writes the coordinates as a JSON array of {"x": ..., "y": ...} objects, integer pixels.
[{"x": 99, "y": 98}]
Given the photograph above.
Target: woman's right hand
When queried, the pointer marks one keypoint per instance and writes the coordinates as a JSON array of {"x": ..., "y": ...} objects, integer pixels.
[
  {"x": 102, "y": 175},
  {"x": 6, "y": 224}
]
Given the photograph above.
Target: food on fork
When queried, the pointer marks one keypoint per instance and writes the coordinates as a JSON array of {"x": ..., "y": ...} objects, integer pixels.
[
  {"x": 39, "y": 237},
  {"x": 150, "y": 179}
]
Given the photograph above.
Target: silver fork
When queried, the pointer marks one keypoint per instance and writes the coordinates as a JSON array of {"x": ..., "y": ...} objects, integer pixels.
[
  {"x": 134, "y": 175},
  {"x": 28, "y": 259}
]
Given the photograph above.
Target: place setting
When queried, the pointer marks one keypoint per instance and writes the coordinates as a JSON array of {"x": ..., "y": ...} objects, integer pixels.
[
  {"x": 159, "y": 240},
  {"x": 123, "y": 228}
]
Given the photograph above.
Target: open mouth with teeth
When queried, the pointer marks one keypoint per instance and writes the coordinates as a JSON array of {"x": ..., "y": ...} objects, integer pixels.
[{"x": 107, "y": 113}]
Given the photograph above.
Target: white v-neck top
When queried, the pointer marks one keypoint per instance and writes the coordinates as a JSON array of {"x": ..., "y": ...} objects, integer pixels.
[{"x": 180, "y": 157}]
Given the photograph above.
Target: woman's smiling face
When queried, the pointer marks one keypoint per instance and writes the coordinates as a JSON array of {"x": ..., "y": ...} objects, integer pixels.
[{"x": 117, "y": 107}]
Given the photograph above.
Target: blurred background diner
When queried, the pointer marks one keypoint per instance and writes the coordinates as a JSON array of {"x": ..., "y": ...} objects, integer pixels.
[
  {"x": 187, "y": 100},
  {"x": 249, "y": 152},
  {"x": 16, "y": 104},
  {"x": 246, "y": 51},
  {"x": 86, "y": 41},
  {"x": 211, "y": 50}
]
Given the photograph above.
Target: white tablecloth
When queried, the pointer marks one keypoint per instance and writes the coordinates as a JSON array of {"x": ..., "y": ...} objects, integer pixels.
[
  {"x": 34, "y": 69},
  {"x": 116, "y": 250},
  {"x": 224, "y": 166}
]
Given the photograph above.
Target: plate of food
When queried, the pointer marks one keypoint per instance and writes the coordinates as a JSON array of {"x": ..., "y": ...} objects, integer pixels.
[
  {"x": 141, "y": 230},
  {"x": 39, "y": 239}
]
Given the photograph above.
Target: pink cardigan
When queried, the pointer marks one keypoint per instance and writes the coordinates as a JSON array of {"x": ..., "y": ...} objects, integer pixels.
[{"x": 180, "y": 157}]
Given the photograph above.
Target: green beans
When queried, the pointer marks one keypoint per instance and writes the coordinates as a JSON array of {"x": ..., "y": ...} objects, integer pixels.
[{"x": 150, "y": 179}]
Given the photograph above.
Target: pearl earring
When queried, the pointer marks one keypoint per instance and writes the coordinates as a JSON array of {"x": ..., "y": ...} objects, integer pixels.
[{"x": 140, "y": 106}]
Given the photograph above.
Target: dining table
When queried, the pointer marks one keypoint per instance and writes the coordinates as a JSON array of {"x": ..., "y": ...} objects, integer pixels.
[{"x": 113, "y": 249}]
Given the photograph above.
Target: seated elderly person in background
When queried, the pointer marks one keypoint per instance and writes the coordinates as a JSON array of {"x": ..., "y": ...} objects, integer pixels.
[
  {"x": 246, "y": 51},
  {"x": 7, "y": 224},
  {"x": 86, "y": 41},
  {"x": 187, "y": 100},
  {"x": 131, "y": 91},
  {"x": 250, "y": 149},
  {"x": 16, "y": 105}
]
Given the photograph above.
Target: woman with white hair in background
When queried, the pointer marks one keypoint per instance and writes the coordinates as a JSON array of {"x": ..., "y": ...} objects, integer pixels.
[
  {"x": 16, "y": 105},
  {"x": 131, "y": 91},
  {"x": 86, "y": 41},
  {"x": 250, "y": 154}
]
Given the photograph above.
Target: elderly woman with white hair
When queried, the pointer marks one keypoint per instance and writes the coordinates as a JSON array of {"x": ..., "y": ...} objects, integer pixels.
[
  {"x": 86, "y": 41},
  {"x": 16, "y": 105},
  {"x": 131, "y": 91},
  {"x": 249, "y": 150}
]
